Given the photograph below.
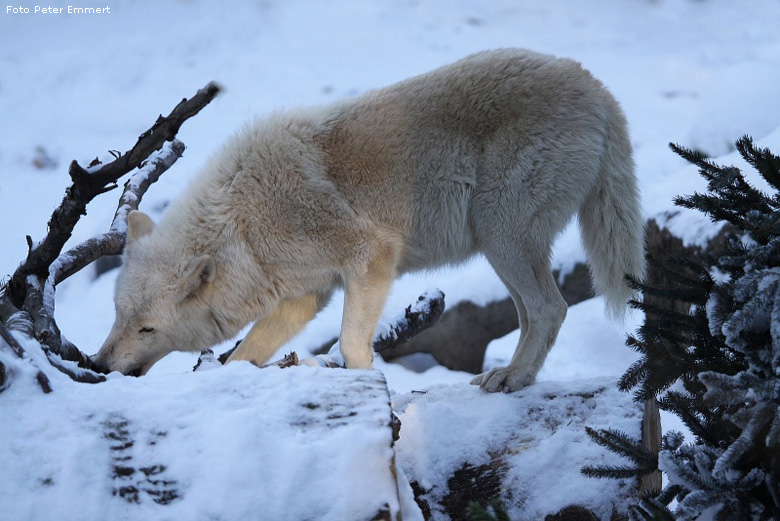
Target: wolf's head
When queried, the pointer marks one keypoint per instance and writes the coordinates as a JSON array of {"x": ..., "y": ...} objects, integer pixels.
[{"x": 162, "y": 302}]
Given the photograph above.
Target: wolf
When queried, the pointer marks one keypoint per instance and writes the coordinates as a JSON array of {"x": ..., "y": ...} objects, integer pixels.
[{"x": 492, "y": 154}]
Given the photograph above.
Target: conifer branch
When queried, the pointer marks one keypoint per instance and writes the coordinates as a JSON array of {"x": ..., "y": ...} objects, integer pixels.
[
  {"x": 645, "y": 461},
  {"x": 720, "y": 338}
]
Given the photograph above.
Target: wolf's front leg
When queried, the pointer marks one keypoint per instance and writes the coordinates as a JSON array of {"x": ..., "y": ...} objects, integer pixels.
[
  {"x": 274, "y": 330},
  {"x": 365, "y": 293}
]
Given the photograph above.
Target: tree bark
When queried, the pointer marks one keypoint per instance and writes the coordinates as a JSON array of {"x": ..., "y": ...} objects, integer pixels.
[{"x": 651, "y": 440}]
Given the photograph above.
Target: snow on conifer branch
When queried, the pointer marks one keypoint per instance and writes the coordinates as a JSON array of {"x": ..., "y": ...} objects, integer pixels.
[{"x": 722, "y": 355}]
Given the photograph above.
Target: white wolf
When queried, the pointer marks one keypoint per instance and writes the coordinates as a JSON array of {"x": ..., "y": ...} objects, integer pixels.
[{"x": 493, "y": 154}]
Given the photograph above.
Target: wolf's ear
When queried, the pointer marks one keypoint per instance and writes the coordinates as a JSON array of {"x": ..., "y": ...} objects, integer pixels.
[
  {"x": 138, "y": 225},
  {"x": 197, "y": 275}
]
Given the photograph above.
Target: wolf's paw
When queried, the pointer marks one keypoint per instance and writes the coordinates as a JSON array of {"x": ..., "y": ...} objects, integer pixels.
[{"x": 502, "y": 379}]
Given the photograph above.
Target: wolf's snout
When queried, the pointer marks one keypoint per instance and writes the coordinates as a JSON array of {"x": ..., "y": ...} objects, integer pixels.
[
  {"x": 102, "y": 361},
  {"x": 99, "y": 360},
  {"x": 99, "y": 366}
]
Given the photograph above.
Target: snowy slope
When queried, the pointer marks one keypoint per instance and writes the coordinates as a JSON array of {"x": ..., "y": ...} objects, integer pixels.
[{"x": 76, "y": 86}]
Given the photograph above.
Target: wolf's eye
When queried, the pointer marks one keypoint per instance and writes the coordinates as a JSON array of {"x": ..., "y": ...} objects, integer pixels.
[{"x": 146, "y": 330}]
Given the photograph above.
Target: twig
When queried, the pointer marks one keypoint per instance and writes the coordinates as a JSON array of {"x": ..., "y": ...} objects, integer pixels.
[
  {"x": 79, "y": 373},
  {"x": 288, "y": 360}
]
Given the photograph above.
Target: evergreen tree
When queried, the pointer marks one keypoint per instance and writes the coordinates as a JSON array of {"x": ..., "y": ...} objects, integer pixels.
[{"x": 712, "y": 357}]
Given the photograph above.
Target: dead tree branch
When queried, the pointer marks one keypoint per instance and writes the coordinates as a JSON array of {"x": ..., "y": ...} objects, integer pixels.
[
  {"x": 416, "y": 318},
  {"x": 31, "y": 288},
  {"x": 113, "y": 241},
  {"x": 37, "y": 320},
  {"x": 23, "y": 322},
  {"x": 93, "y": 181}
]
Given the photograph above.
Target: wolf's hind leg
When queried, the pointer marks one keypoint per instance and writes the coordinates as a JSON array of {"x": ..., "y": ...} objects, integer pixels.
[
  {"x": 541, "y": 309},
  {"x": 274, "y": 330}
]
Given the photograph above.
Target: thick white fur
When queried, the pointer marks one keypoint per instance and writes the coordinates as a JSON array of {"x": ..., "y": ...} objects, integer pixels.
[{"x": 493, "y": 154}]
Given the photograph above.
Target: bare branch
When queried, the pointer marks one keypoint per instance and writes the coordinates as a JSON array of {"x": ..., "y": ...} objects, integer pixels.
[
  {"x": 416, "y": 318},
  {"x": 78, "y": 373},
  {"x": 3, "y": 377},
  {"x": 113, "y": 241},
  {"x": 164, "y": 129},
  {"x": 38, "y": 303},
  {"x": 91, "y": 182},
  {"x": 40, "y": 306},
  {"x": 23, "y": 322},
  {"x": 32, "y": 287}
]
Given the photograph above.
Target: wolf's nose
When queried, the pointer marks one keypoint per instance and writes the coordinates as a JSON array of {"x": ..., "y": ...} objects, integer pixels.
[{"x": 99, "y": 366}]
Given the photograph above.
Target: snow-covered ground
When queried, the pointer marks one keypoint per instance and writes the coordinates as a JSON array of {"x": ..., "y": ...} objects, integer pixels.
[{"x": 700, "y": 73}]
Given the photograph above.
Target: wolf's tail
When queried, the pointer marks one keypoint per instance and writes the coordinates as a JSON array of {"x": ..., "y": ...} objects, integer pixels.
[{"x": 611, "y": 222}]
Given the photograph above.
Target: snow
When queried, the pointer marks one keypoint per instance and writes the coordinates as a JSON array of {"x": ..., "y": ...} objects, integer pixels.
[
  {"x": 222, "y": 424},
  {"x": 569, "y": 361},
  {"x": 538, "y": 433},
  {"x": 700, "y": 74}
]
